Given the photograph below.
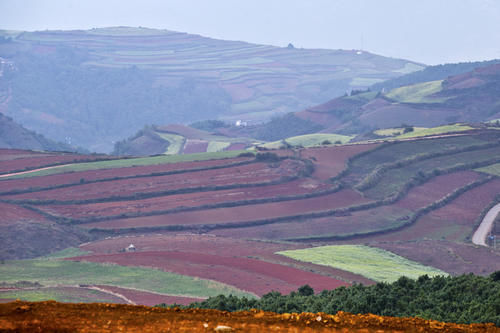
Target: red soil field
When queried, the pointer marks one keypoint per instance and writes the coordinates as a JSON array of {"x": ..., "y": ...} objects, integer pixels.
[
  {"x": 236, "y": 146},
  {"x": 75, "y": 177},
  {"x": 250, "y": 173},
  {"x": 330, "y": 161},
  {"x": 252, "y": 275},
  {"x": 35, "y": 162},
  {"x": 241, "y": 213},
  {"x": 147, "y": 298},
  {"x": 14, "y": 213},
  {"x": 59, "y": 317},
  {"x": 223, "y": 246},
  {"x": 436, "y": 188},
  {"x": 296, "y": 187},
  {"x": 195, "y": 146},
  {"x": 12, "y": 154}
]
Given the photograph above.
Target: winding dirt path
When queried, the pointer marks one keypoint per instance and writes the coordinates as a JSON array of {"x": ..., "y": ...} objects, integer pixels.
[
  {"x": 34, "y": 170},
  {"x": 479, "y": 237}
]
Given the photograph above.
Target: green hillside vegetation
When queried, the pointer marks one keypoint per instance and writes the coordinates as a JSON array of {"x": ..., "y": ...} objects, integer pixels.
[
  {"x": 215, "y": 146},
  {"x": 417, "y": 93},
  {"x": 122, "y": 163},
  {"x": 284, "y": 127},
  {"x": 50, "y": 272},
  {"x": 420, "y": 131},
  {"x": 460, "y": 299},
  {"x": 376, "y": 264},
  {"x": 310, "y": 140},
  {"x": 53, "y": 294},
  {"x": 396, "y": 131}
]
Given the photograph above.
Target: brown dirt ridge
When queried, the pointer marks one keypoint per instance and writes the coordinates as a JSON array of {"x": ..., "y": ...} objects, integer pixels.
[{"x": 60, "y": 317}]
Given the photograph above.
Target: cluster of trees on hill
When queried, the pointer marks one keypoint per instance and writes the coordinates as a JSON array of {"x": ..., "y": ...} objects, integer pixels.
[
  {"x": 284, "y": 127},
  {"x": 459, "y": 299}
]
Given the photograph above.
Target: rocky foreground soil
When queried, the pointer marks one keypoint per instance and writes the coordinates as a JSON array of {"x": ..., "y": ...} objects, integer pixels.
[{"x": 62, "y": 317}]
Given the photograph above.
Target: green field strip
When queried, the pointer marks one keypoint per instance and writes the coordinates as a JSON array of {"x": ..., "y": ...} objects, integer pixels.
[
  {"x": 55, "y": 294},
  {"x": 396, "y": 131},
  {"x": 310, "y": 140},
  {"x": 418, "y": 93},
  {"x": 176, "y": 142},
  {"x": 215, "y": 146},
  {"x": 49, "y": 272},
  {"x": 373, "y": 263},
  {"x": 131, "y": 162},
  {"x": 493, "y": 169},
  {"x": 418, "y": 132}
]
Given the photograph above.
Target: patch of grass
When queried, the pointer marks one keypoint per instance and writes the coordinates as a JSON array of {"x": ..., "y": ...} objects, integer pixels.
[
  {"x": 310, "y": 140},
  {"x": 395, "y": 131},
  {"x": 493, "y": 169},
  {"x": 51, "y": 272},
  {"x": 417, "y": 93},
  {"x": 215, "y": 146},
  {"x": 66, "y": 253},
  {"x": 55, "y": 294},
  {"x": 419, "y": 131},
  {"x": 122, "y": 163},
  {"x": 375, "y": 264},
  {"x": 176, "y": 142}
]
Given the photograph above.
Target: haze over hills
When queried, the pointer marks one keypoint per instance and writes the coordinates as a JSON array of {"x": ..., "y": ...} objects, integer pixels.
[{"x": 102, "y": 85}]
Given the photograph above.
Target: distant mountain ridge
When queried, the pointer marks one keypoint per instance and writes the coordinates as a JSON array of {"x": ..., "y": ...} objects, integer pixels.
[{"x": 101, "y": 85}]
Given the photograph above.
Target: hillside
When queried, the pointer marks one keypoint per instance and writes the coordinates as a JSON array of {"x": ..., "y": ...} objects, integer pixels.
[
  {"x": 15, "y": 136},
  {"x": 471, "y": 97},
  {"x": 102, "y": 85},
  {"x": 179, "y": 228}
]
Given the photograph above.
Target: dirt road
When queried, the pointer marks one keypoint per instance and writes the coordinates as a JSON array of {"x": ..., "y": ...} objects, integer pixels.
[{"x": 479, "y": 237}]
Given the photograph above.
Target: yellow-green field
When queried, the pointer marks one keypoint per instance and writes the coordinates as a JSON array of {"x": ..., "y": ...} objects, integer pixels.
[
  {"x": 417, "y": 93},
  {"x": 373, "y": 263},
  {"x": 493, "y": 169},
  {"x": 395, "y": 131},
  {"x": 215, "y": 146},
  {"x": 176, "y": 142},
  {"x": 309, "y": 140},
  {"x": 418, "y": 131}
]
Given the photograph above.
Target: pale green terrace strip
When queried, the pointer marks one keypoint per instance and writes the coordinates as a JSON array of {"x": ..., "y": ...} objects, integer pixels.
[
  {"x": 123, "y": 163},
  {"x": 373, "y": 263},
  {"x": 493, "y": 169},
  {"x": 50, "y": 272}
]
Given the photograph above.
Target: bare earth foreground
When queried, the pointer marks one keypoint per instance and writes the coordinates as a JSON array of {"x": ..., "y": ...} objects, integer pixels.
[{"x": 51, "y": 316}]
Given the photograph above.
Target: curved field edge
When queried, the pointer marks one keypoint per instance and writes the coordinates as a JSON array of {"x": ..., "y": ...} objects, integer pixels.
[
  {"x": 129, "y": 162},
  {"x": 373, "y": 263},
  {"x": 65, "y": 272}
]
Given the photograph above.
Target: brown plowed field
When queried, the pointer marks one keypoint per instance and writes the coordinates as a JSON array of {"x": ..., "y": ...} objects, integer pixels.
[
  {"x": 241, "y": 213},
  {"x": 256, "y": 276},
  {"x": 75, "y": 177},
  {"x": 147, "y": 298},
  {"x": 330, "y": 161},
  {"x": 296, "y": 187},
  {"x": 12, "y": 154},
  {"x": 59, "y": 317},
  {"x": 236, "y": 146},
  {"x": 13, "y": 213},
  {"x": 245, "y": 174},
  {"x": 210, "y": 244}
]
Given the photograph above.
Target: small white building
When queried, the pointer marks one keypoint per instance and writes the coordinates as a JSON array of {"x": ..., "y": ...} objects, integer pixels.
[{"x": 131, "y": 248}]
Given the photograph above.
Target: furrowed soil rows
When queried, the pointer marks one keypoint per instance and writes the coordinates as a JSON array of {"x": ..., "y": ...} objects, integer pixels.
[
  {"x": 195, "y": 146},
  {"x": 330, "y": 161},
  {"x": 77, "y": 177},
  {"x": 247, "y": 274},
  {"x": 14, "y": 213},
  {"x": 245, "y": 174},
  {"x": 297, "y": 187},
  {"x": 239, "y": 214}
]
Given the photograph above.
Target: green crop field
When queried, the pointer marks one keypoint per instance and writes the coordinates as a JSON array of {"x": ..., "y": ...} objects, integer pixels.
[
  {"x": 176, "y": 142},
  {"x": 122, "y": 163},
  {"x": 51, "y": 272},
  {"x": 57, "y": 294},
  {"x": 493, "y": 169},
  {"x": 435, "y": 131},
  {"x": 310, "y": 140},
  {"x": 417, "y": 93},
  {"x": 376, "y": 264},
  {"x": 215, "y": 146},
  {"x": 394, "y": 131}
]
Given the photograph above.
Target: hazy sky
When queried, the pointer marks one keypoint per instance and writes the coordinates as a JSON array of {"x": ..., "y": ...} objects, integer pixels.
[{"x": 429, "y": 31}]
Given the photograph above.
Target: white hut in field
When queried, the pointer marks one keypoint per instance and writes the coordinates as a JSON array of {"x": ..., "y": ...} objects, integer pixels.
[{"x": 131, "y": 248}]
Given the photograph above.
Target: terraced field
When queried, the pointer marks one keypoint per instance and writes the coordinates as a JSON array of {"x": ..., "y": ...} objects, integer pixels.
[{"x": 224, "y": 220}]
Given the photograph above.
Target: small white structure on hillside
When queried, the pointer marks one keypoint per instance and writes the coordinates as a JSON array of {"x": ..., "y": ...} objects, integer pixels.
[{"x": 131, "y": 248}]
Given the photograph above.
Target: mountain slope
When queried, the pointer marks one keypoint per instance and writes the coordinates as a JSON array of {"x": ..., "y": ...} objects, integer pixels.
[{"x": 101, "y": 85}]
